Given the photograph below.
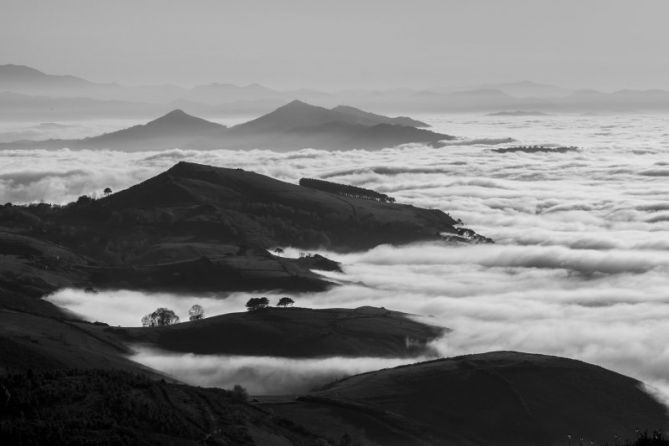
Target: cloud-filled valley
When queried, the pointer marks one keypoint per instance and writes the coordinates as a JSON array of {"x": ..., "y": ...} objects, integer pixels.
[{"x": 579, "y": 269}]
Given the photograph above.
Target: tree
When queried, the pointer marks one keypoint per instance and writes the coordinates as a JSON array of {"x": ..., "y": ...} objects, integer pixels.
[
  {"x": 285, "y": 301},
  {"x": 159, "y": 318},
  {"x": 84, "y": 199},
  {"x": 257, "y": 303},
  {"x": 196, "y": 313},
  {"x": 107, "y": 191}
]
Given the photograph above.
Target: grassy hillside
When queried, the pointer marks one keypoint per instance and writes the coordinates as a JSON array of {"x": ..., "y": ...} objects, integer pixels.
[
  {"x": 500, "y": 398},
  {"x": 192, "y": 228},
  {"x": 196, "y": 227},
  {"x": 293, "y": 332},
  {"x": 116, "y": 408},
  {"x": 249, "y": 207}
]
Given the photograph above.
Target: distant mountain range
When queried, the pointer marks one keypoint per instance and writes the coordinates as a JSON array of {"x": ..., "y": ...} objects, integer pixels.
[
  {"x": 29, "y": 94},
  {"x": 295, "y": 125}
]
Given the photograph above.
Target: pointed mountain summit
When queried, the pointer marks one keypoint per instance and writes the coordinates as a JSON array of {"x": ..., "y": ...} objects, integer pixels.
[
  {"x": 173, "y": 129},
  {"x": 293, "y": 126},
  {"x": 179, "y": 121},
  {"x": 295, "y": 114}
]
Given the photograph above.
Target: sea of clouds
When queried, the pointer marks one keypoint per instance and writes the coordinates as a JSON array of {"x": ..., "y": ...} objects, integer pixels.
[{"x": 580, "y": 267}]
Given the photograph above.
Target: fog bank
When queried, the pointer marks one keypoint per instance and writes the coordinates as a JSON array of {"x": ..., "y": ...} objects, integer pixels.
[{"x": 580, "y": 267}]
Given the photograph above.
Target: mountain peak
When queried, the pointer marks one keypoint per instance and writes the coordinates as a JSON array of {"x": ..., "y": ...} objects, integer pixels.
[
  {"x": 19, "y": 70},
  {"x": 180, "y": 118},
  {"x": 176, "y": 113},
  {"x": 296, "y": 103}
]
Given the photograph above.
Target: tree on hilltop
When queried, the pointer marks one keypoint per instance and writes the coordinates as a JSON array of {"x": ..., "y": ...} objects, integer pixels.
[
  {"x": 196, "y": 313},
  {"x": 160, "y": 318},
  {"x": 285, "y": 301},
  {"x": 257, "y": 303}
]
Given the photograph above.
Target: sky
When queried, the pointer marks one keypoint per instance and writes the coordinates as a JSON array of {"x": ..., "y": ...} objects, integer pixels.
[{"x": 606, "y": 44}]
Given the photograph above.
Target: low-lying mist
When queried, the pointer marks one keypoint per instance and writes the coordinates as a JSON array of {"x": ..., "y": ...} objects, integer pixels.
[
  {"x": 261, "y": 375},
  {"x": 580, "y": 265}
]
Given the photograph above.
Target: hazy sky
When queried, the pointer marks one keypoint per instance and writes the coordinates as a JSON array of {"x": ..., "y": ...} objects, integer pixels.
[{"x": 331, "y": 44}]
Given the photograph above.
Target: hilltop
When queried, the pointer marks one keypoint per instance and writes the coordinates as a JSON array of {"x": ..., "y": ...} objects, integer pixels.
[
  {"x": 501, "y": 398},
  {"x": 242, "y": 207},
  {"x": 196, "y": 227},
  {"x": 293, "y": 332},
  {"x": 293, "y": 126}
]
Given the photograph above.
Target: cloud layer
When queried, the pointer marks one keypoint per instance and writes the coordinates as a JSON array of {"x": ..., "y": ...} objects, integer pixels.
[{"x": 581, "y": 264}]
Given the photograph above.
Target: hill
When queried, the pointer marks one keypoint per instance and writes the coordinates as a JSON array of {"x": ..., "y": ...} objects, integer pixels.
[
  {"x": 501, "y": 398},
  {"x": 298, "y": 114},
  {"x": 358, "y": 116},
  {"x": 174, "y": 129},
  {"x": 197, "y": 228},
  {"x": 294, "y": 126},
  {"x": 78, "y": 407},
  {"x": 293, "y": 332},
  {"x": 242, "y": 207},
  {"x": 21, "y": 77}
]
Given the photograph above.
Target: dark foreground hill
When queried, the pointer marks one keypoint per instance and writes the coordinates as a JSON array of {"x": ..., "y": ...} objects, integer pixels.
[
  {"x": 500, "y": 398},
  {"x": 78, "y": 407},
  {"x": 293, "y": 332},
  {"x": 294, "y": 126}
]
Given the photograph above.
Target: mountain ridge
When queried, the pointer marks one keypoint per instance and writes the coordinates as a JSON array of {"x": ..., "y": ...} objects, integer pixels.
[{"x": 293, "y": 126}]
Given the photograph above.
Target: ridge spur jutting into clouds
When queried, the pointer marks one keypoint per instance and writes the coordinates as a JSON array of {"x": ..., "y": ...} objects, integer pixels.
[{"x": 295, "y": 125}]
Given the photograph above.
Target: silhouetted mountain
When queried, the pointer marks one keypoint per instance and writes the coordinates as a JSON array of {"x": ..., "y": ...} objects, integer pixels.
[
  {"x": 171, "y": 130},
  {"x": 195, "y": 227},
  {"x": 499, "y": 398},
  {"x": 293, "y": 126},
  {"x": 299, "y": 115},
  {"x": 225, "y": 99},
  {"x": 321, "y": 218},
  {"x": 21, "y": 77},
  {"x": 294, "y": 115},
  {"x": 358, "y": 116}
]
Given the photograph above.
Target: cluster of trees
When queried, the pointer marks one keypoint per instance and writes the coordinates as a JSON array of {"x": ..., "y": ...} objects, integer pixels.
[
  {"x": 258, "y": 303},
  {"x": 164, "y": 316},
  {"x": 346, "y": 190}
]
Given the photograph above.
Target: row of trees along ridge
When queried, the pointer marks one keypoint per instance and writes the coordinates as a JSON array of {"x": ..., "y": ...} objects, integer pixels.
[
  {"x": 164, "y": 316},
  {"x": 345, "y": 190}
]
